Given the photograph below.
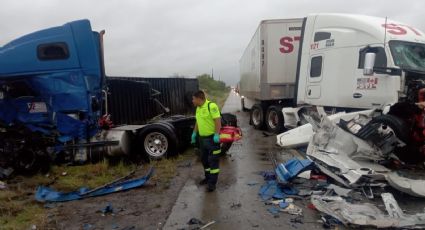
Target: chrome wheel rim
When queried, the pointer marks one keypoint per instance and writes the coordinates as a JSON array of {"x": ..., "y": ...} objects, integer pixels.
[{"x": 156, "y": 144}]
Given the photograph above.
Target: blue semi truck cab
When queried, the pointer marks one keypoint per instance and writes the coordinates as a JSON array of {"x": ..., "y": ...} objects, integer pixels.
[{"x": 52, "y": 97}]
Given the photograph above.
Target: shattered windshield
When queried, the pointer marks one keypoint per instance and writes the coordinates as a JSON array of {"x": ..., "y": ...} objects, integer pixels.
[{"x": 408, "y": 55}]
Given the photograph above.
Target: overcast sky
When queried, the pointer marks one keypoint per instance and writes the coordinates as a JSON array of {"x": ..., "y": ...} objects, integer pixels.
[{"x": 159, "y": 38}]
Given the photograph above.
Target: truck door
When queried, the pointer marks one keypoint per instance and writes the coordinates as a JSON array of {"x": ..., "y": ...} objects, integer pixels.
[
  {"x": 313, "y": 89},
  {"x": 375, "y": 90}
]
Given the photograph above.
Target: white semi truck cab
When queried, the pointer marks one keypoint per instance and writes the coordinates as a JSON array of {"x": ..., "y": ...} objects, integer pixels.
[{"x": 336, "y": 61}]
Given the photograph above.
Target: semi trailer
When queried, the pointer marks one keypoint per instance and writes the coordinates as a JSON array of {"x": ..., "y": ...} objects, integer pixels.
[
  {"x": 339, "y": 62},
  {"x": 56, "y": 103}
]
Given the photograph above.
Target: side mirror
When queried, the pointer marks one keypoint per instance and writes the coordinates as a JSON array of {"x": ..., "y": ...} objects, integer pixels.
[{"x": 369, "y": 63}]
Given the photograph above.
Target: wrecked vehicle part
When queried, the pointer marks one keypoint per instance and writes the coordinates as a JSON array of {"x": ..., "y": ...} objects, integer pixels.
[
  {"x": 409, "y": 186},
  {"x": 301, "y": 135},
  {"x": 45, "y": 194},
  {"x": 367, "y": 214},
  {"x": 290, "y": 169},
  {"x": 344, "y": 154},
  {"x": 338, "y": 190}
]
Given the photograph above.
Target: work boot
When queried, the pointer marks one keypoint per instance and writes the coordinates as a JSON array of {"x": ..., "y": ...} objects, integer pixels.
[
  {"x": 211, "y": 188},
  {"x": 203, "y": 182}
]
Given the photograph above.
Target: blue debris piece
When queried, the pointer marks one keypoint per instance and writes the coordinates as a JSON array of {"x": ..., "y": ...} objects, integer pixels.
[
  {"x": 271, "y": 190},
  {"x": 87, "y": 226},
  {"x": 290, "y": 190},
  {"x": 283, "y": 205},
  {"x": 44, "y": 194},
  {"x": 268, "y": 175},
  {"x": 273, "y": 210},
  {"x": 293, "y": 167}
]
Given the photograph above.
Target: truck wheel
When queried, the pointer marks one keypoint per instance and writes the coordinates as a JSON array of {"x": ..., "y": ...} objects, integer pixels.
[
  {"x": 410, "y": 153},
  {"x": 157, "y": 141},
  {"x": 397, "y": 126},
  {"x": 274, "y": 119},
  {"x": 257, "y": 116}
]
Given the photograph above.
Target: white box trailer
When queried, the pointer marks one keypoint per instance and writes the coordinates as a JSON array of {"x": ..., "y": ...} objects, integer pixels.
[
  {"x": 340, "y": 62},
  {"x": 269, "y": 64}
]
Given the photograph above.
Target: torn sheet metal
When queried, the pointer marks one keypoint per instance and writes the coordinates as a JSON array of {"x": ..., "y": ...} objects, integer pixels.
[
  {"x": 350, "y": 155},
  {"x": 339, "y": 190},
  {"x": 367, "y": 214},
  {"x": 300, "y": 136},
  {"x": 412, "y": 187},
  {"x": 45, "y": 194}
]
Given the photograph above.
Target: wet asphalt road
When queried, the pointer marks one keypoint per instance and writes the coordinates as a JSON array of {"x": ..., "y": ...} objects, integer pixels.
[{"x": 236, "y": 204}]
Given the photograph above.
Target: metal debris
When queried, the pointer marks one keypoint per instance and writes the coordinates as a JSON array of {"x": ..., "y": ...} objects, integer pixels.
[
  {"x": 412, "y": 187},
  {"x": 367, "y": 214}
]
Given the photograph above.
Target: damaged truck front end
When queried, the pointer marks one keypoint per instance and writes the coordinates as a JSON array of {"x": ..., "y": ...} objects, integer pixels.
[{"x": 50, "y": 93}]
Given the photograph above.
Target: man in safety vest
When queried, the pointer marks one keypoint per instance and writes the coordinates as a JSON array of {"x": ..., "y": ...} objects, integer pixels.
[{"x": 208, "y": 125}]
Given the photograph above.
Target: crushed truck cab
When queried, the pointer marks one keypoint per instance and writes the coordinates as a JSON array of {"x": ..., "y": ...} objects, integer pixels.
[{"x": 51, "y": 83}]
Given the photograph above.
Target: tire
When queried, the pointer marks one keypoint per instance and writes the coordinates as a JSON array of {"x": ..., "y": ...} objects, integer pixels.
[
  {"x": 274, "y": 119},
  {"x": 410, "y": 153},
  {"x": 257, "y": 116},
  {"x": 157, "y": 141},
  {"x": 399, "y": 127}
]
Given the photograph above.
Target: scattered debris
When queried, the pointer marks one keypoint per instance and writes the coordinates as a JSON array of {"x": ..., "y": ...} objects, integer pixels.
[
  {"x": 305, "y": 174},
  {"x": 285, "y": 172},
  {"x": 3, "y": 185},
  {"x": 107, "y": 209},
  {"x": 195, "y": 221},
  {"x": 274, "y": 211},
  {"x": 339, "y": 190},
  {"x": 367, "y": 214},
  {"x": 268, "y": 175},
  {"x": 5, "y": 172},
  {"x": 235, "y": 205},
  {"x": 252, "y": 183},
  {"x": 412, "y": 187},
  {"x": 207, "y": 225},
  {"x": 292, "y": 209},
  {"x": 44, "y": 194}
]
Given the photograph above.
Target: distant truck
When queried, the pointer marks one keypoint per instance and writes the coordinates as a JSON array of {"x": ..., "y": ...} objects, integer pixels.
[
  {"x": 340, "y": 62},
  {"x": 55, "y": 102}
]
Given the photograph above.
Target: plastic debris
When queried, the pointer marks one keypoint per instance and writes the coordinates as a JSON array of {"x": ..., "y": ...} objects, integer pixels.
[
  {"x": 5, "y": 172},
  {"x": 208, "y": 224},
  {"x": 271, "y": 190},
  {"x": 285, "y": 172},
  {"x": 292, "y": 209},
  {"x": 268, "y": 175},
  {"x": 339, "y": 190},
  {"x": 44, "y": 194},
  {"x": 107, "y": 209},
  {"x": 3, "y": 185},
  {"x": 305, "y": 174},
  {"x": 283, "y": 204},
  {"x": 193, "y": 221},
  {"x": 252, "y": 183},
  {"x": 273, "y": 210}
]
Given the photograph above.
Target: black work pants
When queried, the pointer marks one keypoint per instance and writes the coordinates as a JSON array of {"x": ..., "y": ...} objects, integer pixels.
[{"x": 210, "y": 156}]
